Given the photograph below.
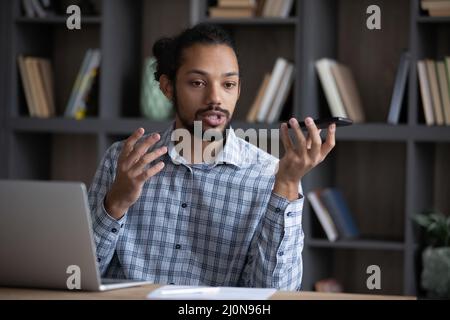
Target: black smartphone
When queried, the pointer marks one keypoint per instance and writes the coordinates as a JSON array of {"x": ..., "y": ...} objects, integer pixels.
[{"x": 323, "y": 123}]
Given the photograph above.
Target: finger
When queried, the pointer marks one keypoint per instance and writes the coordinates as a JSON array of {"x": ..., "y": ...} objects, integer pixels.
[
  {"x": 130, "y": 142},
  {"x": 313, "y": 133},
  {"x": 330, "y": 141},
  {"x": 147, "y": 174},
  {"x": 285, "y": 139},
  {"x": 140, "y": 150},
  {"x": 146, "y": 159},
  {"x": 308, "y": 143},
  {"x": 298, "y": 133}
]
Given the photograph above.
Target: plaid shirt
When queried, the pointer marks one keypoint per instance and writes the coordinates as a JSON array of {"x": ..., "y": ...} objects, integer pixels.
[{"x": 217, "y": 224}]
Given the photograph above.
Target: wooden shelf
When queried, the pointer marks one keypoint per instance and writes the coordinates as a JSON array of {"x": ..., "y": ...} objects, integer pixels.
[
  {"x": 357, "y": 132},
  {"x": 428, "y": 19},
  {"x": 113, "y": 126},
  {"x": 57, "y": 20},
  {"x": 356, "y": 244},
  {"x": 431, "y": 133},
  {"x": 259, "y": 21}
]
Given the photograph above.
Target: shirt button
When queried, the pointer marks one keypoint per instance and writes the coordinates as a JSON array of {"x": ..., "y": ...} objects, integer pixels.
[
  {"x": 178, "y": 246},
  {"x": 113, "y": 230},
  {"x": 280, "y": 253},
  {"x": 289, "y": 214},
  {"x": 277, "y": 210},
  {"x": 184, "y": 205},
  {"x": 98, "y": 259}
]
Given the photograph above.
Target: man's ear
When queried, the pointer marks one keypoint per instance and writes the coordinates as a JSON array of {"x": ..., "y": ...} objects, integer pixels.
[
  {"x": 239, "y": 90},
  {"x": 166, "y": 86}
]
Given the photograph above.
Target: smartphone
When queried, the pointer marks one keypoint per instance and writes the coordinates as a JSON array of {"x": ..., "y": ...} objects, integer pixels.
[{"x": 323, "y": 123}]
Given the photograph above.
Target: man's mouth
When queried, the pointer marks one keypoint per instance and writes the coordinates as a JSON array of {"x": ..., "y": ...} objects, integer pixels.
[{"x": 213, "y": 118}]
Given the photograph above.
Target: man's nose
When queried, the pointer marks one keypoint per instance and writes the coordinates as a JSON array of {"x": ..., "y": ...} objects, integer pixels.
[{"x": 213, "y": 95}]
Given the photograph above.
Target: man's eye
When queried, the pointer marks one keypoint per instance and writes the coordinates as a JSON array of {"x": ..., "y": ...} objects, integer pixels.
[
  {"x": 197, "y": 83},
  {"x": 230, "y": 85}
]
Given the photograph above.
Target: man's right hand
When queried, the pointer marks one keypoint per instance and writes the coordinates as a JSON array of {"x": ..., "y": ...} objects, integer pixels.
[{"x": 132, "y": 172}]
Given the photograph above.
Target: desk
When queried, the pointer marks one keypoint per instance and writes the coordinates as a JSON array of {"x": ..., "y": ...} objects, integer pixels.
[{"x": 139, "y": 293}]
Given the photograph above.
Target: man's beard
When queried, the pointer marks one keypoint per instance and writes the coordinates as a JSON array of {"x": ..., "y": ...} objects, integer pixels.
[{"x": 189, "y": 125}]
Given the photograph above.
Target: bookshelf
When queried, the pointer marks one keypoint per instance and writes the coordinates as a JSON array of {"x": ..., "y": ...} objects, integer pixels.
[{"x": 386, "y": 172}]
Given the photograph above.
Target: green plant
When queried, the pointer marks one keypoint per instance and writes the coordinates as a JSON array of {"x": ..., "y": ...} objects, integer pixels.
[
  {"x": 437, "y": 227},
  {"x": 435, "y": 276}
]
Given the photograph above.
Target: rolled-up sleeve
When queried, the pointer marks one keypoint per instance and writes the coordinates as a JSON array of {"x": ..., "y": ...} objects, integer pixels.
[
  {"x": 105, "y": 228},
  {"x": 275, "y": 257}
]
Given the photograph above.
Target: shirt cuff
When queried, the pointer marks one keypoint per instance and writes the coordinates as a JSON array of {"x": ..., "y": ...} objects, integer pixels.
[
  {"x": 283, "y": 212},
  {"x": 108, "y": 224}
]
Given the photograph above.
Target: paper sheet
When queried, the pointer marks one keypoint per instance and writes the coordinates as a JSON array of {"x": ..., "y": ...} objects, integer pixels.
[{"x": 207, "y": 293}]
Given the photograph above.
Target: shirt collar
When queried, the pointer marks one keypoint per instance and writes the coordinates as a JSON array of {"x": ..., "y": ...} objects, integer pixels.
[{"x": 230, "y": 154}]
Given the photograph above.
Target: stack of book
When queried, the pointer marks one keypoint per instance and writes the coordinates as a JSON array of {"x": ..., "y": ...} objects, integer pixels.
[
  {"x": 77, "y": 105},
  {"x": 434, "y": 80},
  {"x": 37, "y": 81},
  {"x": 233, "y": 9},
  {"x": 436, "y": 8},
  {"x": 251, "y": 8},
  {"x": 272, "y": 93},
  {"x": 333, "y": 214},
  {"x": 340, "y": 90}
]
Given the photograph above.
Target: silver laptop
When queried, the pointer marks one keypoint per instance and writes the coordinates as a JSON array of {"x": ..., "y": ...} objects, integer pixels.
[{"x": 46, "y": 238}]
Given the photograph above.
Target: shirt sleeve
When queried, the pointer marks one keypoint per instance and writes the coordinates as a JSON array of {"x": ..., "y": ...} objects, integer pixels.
[
  {"x": 275, "y": 256},
  {"x": 106, "y": 229}
]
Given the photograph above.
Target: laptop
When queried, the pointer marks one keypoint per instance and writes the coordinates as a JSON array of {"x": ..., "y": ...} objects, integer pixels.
[{"x": 46, "y": 238}]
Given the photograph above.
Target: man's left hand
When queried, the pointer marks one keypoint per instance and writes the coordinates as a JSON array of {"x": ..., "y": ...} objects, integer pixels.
[{"x": 300, "y": 157}]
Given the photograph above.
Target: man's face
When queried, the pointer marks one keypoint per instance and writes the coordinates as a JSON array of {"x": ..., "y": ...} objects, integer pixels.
[{"x": 207, "y": 87}]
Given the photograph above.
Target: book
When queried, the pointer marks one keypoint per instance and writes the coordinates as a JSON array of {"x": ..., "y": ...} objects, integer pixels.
[
  {"x": 444, "y": 91},
  {"x": 270, "y": 93},
  {"x": 435, "y": 5},
  {"x": 286, "y": 8},
  {"x": 282, "y": 94},
  {"x": 439, "y": 12},
  {"x": 434, "y": 89},
  {"x": 251, "y": 115},
  {"x": 76, "y": 107},
  {"x": 47, "y": 90},
  {"x": 348, "y": 91},
  {"x": 323, "y": 67},
  {"x": 36, "y": 87},
  {"x": 236, "y": 3},
  {"x": 70, "y": 108},
  {"x": 447, "y": 72},
  {"x": 86, "y": 85},
  {"x": 336, "y": 205},
  {"x": 425, "y": 93},
  {"x": 28, "y": 8},
  {"x": 26, "y": 84},
  {"x": 217, "y": 12},
  {"x": 322, "y": 215},
  {"x": 401, "y": 78}
]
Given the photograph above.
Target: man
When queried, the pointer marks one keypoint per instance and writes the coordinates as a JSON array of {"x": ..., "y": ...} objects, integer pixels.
[{"x": 176, "y": 217}]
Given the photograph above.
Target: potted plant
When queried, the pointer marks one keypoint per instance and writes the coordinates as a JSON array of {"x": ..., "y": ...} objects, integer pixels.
[{"x": 435, "y": 277}]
